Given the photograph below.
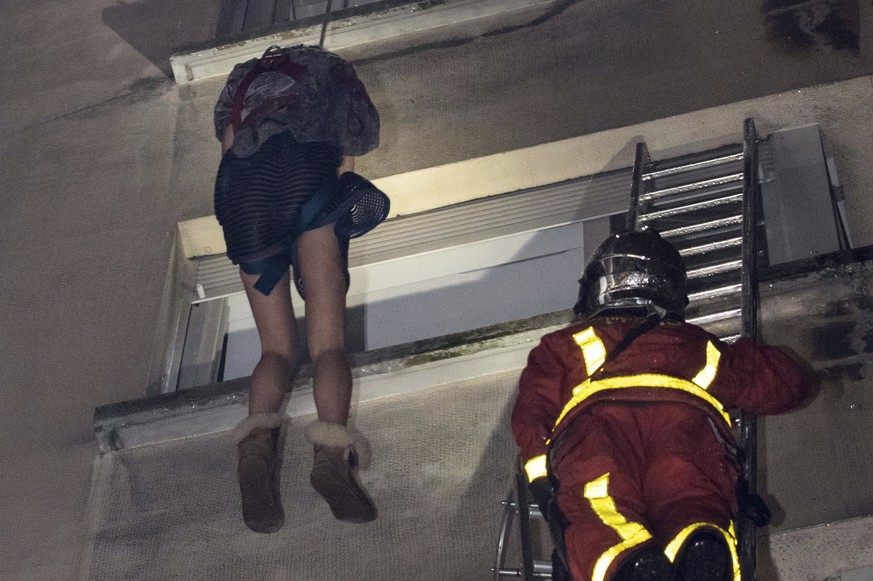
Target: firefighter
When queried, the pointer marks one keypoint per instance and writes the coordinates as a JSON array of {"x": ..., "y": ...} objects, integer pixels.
[{"x": 623, "y": 427}]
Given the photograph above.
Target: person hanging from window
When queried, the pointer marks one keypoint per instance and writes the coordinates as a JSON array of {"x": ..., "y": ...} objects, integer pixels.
[
  {"x": 291, "y": 124},
  {"x": 623, "y": 427}
]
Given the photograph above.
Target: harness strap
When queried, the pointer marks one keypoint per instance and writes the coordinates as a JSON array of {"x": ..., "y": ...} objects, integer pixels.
[{"x": 650, "y": 323}]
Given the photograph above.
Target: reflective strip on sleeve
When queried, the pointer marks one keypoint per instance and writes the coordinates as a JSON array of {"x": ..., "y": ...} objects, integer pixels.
[
  {"x": 535, "y": 467},
  {"x": 631, "y": 533},
  {"x": 673, "y": 546},
  {"x": 707, "y": 374},
  {"x": 593, "y": 350},
  {"x": 588, "y": 388}
]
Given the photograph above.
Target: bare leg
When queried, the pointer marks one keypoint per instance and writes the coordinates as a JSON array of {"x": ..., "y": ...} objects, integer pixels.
[
  {"x": 336, "y": 457},
  {"x": 322, "y": 269},
  {"x": 259, "y": 436},
  {"x": 348, "y": 164},
  {"x": 274, "y": 318}
]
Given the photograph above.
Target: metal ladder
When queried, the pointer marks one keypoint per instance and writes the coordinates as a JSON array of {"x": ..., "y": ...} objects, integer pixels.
[{"x": 707, "y": 205}]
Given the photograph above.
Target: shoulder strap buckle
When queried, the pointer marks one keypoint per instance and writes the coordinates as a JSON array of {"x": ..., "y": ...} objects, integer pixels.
[{"x": 272, "y": 59}]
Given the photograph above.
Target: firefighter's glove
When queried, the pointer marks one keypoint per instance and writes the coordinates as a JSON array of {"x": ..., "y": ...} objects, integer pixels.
[
  {"x": 542, "y": 493},
  {"x": 753, "y": 507}
]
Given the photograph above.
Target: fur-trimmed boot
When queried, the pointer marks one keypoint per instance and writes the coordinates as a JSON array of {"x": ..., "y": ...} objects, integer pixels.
[
  {"x": 259, "y": 439},
  {"x": 339, "y": 451}
]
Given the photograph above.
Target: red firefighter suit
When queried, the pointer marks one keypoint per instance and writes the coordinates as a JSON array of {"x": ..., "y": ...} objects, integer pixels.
[{"x": 638, "y": 447}]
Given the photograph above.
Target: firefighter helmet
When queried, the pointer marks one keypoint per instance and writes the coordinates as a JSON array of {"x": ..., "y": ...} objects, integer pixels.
[{"x": 630, "y": 270}]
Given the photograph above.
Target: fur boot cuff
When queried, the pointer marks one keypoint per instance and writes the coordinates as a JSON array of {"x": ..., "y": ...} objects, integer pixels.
[
  {"x": 253, "y": 422},
  {"x": 332, "y": 435}
]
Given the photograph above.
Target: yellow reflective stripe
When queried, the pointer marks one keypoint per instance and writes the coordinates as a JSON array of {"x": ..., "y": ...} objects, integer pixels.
[
  {"x": 593, "y": 350},
  {"x": 673, "y": 546},
  {"x": 588, "y": 388},
  {"x": 631, "y": 533},
  {"x": 707, "y": 374},
  {"x": 535, "y": 467}
]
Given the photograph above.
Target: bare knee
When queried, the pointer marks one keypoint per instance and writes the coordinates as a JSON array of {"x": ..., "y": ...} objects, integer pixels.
[
  {"x": 332, "y": 356},
  {"x": 284, "y": 362}
]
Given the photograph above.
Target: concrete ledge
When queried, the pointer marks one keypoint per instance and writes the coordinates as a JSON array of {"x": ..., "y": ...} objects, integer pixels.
[
  {"x": 401, "y": 369},
  {"x": 344, "y": 33}
]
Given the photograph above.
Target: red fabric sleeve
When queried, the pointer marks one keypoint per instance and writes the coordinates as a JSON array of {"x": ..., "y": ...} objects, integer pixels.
[
  {"x": 539, "y": 398},
  {"x": 760, "y": 379}
]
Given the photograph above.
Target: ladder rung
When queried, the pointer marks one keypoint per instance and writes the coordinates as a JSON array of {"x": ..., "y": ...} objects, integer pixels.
[
  {"x": 715, "y": 269},
  {"x": 721, "y": 291},
  {"x": 532, "y": 508},
  {"x": 689, "y": 196},
  {"x": 691, "y": 207},
  {"x": 541, "y": 570},
  {"x": 703, "y": 226},
  {"x": 704, "y": 248},
  {"x": 725, "y": 159},
  {"x": 728, "y": 179},
  {"x": 713, "y": 317}
]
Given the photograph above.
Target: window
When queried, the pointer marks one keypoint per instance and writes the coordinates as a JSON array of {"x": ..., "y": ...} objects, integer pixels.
[
  {"x": 504, "y": 258},
  {"x": 247, "y": 16}
]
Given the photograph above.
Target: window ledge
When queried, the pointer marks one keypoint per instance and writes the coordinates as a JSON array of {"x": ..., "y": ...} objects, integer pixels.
[
  {"x": 354, "y": 31},
  {"x": 401, "y": 369}
]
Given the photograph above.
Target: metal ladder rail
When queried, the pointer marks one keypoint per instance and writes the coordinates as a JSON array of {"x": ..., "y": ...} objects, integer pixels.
[
  {"x": 746, "y": 533},
  {"x": 642, "y": 166},
  {"x": 509, "y": 510}
]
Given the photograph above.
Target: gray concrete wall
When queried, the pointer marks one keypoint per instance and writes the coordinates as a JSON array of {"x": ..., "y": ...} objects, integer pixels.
[
  {"x": 103, "y": 155},
  {"x": 441, "y": 466},
  {"x": 85, "y": 231}
]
